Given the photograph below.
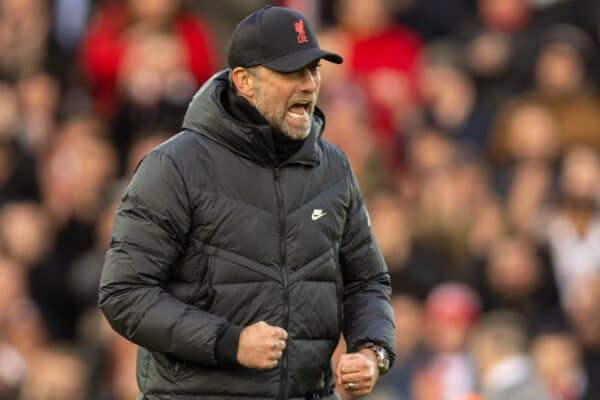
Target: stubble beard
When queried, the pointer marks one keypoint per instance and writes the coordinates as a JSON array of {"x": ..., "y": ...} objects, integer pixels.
[{"x": 275, "y": 116}]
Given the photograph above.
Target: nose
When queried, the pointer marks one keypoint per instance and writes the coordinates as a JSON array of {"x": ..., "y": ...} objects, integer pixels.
[{"x": 309, "y": 80}]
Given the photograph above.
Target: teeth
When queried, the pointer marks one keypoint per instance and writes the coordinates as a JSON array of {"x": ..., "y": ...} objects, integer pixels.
[
  {"x": 300, "y": 110},
  {"x": 303, "y": 115}
]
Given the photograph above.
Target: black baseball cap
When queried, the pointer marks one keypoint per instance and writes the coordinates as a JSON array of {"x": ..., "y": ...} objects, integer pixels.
[{"x": 278, "y": 38}]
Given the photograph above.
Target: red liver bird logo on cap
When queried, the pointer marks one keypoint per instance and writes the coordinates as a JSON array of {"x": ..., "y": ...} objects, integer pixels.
[{"x": 299, "y": 27}]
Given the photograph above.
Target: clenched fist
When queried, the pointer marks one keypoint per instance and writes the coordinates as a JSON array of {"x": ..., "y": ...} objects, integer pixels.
[
  {"x": 357, "y": 372},
  {"x": 261, "y": 345}
]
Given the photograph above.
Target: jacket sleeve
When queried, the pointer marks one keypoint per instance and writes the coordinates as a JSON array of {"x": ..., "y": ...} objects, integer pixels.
[
  {"x": 367, "y": 311},
  {"x": 149, "y": 235}
]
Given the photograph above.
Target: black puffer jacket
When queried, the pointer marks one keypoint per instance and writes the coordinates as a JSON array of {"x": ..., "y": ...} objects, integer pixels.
[{"x": 212, "y": 234}]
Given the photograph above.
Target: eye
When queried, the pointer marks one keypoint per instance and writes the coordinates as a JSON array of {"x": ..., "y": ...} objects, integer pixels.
[{"x": 314, "y": 68}]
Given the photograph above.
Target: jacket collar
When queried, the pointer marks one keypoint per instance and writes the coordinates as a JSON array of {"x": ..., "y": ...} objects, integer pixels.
[{"x": 208, "y": 116}]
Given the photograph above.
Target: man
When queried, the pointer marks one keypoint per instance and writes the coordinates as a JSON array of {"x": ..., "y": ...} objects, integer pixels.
[
  {"x": 499, "y": 349},
  {"x": 242, "y": 248}
]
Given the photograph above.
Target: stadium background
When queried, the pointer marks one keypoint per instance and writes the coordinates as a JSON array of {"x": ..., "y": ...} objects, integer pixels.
[{"x": 472, "y": 126}]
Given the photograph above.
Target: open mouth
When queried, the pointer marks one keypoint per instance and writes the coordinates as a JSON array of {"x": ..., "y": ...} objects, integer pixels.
[{"x": 300, "y": 110}]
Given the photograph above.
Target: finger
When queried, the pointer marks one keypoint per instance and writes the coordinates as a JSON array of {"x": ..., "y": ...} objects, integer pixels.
[
  {"x": 276, "y": 355},
  {"x": 344, "y": 359},
  {"x": 361, "y": 377},
  {"x": 338, "y": 372},
  {"x": 348, "y": 358},
  {"x": 355, "y": 365},
  {"x": 357, "y": 388},
  {"x": 352, "y": 387},
  {"x": 280, "y": 333},
  {"x": 272, "y": 363},
  {"x": 345, "y": 371},
  {"x": 278, "y": 345}
]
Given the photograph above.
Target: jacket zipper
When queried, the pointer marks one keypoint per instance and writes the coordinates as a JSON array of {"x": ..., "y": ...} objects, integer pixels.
[{"x": 286, "y": 293}]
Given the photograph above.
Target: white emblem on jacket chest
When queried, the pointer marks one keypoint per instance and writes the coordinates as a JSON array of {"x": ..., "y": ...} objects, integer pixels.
[{"x": 317, "y": 213}]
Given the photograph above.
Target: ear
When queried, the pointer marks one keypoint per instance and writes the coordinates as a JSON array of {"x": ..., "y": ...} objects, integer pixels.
[{"x": 243, "y": 81}]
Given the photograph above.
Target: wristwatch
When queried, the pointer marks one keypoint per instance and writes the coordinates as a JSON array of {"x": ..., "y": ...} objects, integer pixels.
[{"x": 383, "y": 360}]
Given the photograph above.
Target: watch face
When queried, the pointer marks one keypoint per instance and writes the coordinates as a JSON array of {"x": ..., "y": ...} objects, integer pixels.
[{"x": 383, "y": 362}]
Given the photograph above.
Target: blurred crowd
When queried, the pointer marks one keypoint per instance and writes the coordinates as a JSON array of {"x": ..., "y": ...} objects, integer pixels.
[{"x": 473, "y": 127}]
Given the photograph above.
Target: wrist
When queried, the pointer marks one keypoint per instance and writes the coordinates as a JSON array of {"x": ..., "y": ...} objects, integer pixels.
[
  {"x": 227, "y": 344},
  {"x": 381, "y": 357}
]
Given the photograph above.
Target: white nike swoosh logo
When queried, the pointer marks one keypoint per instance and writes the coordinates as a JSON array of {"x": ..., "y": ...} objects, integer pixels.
[{"x": 316, "y": 215}]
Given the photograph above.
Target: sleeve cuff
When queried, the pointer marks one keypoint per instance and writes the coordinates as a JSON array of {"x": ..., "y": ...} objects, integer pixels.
[{"x": 227, "y": 344}]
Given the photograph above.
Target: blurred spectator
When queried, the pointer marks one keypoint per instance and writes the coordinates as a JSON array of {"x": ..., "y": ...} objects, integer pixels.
[
  {"x": 115, "y": 33},
  {"x": 79, "y": 164},
  {"x": 58, "y": 374},
  {"x": 409, "y": 320},
  {"x": 25, "y": 332},
  {"x": 84, "y": 275},
  {"x": 524, "y": 131},
  {"x": 12, "y": 291},
  {"x": 413, "y": 271},
  {"x": 499, "y": 40},
  {"x": 499, "y": 348},
  {"x": 39, "y": 97},
  {"x": 383, "y": 58},
  {"x": 582, "y": 305},
  {"x": 557, "y": 359},
  {"x": 518, "y": 277},
  {"x": 528, "y": 198},
  {"x": 74, "y": 174},
  {"x": 443, "y": 223},
  {"x": 450, "y": 311},
  {"x": 24, "y": 28},
  {"x": 574, "y": 228},
  {"x": 429, "y": 151},
  {"x": 392, "y": 229},
  {"x": 17, "y": 177},
  {"x": 9, "y": 114},
  {"x": 396, "y": 384},
  {"x": 154, "y": 85},
  {"x": 449, "y": 97},
  {"x": 348, "y": 127},
  {"x": 25, "y": 234},
  {"x": 564, "y": 76},
  {"x": 524, "y": 150},
  {"x": 432, "y": 18}
]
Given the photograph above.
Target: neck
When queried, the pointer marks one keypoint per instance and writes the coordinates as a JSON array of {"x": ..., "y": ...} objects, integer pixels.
[{"x": 242, "y": 109}]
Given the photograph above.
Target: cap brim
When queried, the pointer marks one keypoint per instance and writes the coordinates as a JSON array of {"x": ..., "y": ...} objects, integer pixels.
[{"x": 300, "y": 59}]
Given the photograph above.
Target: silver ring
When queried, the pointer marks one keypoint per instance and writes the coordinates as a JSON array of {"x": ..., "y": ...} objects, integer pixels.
[{"x": 351, "y": 385}]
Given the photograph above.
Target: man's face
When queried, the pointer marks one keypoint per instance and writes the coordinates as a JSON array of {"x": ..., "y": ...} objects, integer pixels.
[{"x": 287, "y": 100}]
